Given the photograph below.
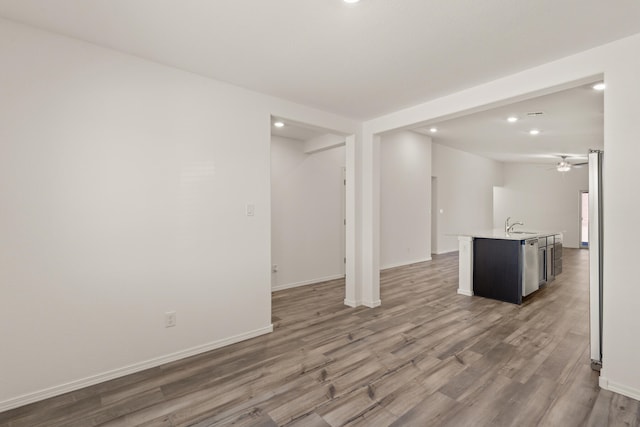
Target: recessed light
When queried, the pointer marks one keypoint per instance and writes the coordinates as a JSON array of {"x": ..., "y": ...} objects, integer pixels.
[
  {"x": 599, "y": 86},
  {"x": 512, "y": 119},
  {"x": 351, "y": 1},
  {"x": 534, "y": 132},
  {"x": 433, "y": 130},
  {"x": 278, "y": 124}
]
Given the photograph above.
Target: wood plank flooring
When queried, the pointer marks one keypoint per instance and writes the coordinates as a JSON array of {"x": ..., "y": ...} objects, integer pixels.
[{"x": 426, "y": 357}]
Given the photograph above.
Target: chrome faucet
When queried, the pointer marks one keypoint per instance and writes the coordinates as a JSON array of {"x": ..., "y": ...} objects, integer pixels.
[
  {"x": 513, "y": 225},
  {"x": 508, "y": 228}
]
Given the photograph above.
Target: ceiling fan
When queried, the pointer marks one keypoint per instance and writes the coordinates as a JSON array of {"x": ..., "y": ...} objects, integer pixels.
[{"x": 564, "y": 166}]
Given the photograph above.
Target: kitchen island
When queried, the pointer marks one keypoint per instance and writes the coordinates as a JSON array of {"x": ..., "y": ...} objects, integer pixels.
[{"x": 507, "y": 266}]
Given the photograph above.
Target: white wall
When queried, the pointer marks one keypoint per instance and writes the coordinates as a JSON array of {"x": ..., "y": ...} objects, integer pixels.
[
  {"x": 405, "y": 199},
  {"x": 124, "y": 185},
  {"x": 307, "y": 213},
  {"x": 465, "y": 184},
  {"x": 621, "y": 346},
  {"x": 620, "y": 65},
  {"x": 544, "y": 199}
]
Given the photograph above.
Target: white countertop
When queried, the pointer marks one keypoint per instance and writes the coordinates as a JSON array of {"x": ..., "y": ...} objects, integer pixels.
[{"x": 498, "y": 233}]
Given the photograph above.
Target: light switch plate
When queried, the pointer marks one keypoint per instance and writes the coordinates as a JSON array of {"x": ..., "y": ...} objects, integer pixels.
[{"x": 170, "y": 319}]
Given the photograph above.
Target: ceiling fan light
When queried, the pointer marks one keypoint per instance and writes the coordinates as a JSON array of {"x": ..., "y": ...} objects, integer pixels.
[{"x": 563, "y": 166}]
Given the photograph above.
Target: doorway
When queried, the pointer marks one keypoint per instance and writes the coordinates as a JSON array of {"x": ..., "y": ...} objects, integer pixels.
[
  {"x": 558, "y": 189},
  {"x": 584, "y": 219},
  {"x": 308, "y": 206}
]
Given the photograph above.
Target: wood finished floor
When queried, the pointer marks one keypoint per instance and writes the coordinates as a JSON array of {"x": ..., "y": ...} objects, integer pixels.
[{"x": 427, "y": 357}]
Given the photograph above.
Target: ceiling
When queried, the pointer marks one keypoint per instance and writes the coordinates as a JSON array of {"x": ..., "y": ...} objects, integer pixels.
[
  {"x": 572, "y": 123},
  {"x": 361, "y": 60}
]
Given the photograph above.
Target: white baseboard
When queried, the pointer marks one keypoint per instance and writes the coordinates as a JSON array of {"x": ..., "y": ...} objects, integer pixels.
[
  {"x": 404, "y": 263},
  {"x": 372, "y": 304},
  {"x": 306, "y": 282},
  {"x": 619, "y": 388},
  {"x": 465, "y": 292},
  {"x": 126, "y": 370},
  {"x": 448, "y": 251}
]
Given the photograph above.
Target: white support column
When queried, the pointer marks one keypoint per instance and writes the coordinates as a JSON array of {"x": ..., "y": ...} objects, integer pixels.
[
  {"x": 370, "y": 219},
  {"x": 465, "y": 265},
  {"x": 351, "y": 297}
]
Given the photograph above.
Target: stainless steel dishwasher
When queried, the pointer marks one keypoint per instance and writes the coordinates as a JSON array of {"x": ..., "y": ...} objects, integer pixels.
[{"x": 530, "y": 266}]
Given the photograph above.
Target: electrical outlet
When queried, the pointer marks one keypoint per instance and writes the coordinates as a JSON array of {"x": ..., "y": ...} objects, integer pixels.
[
  {"x": 274, "y": 268},
  {"x": 170, "y": 319}
]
